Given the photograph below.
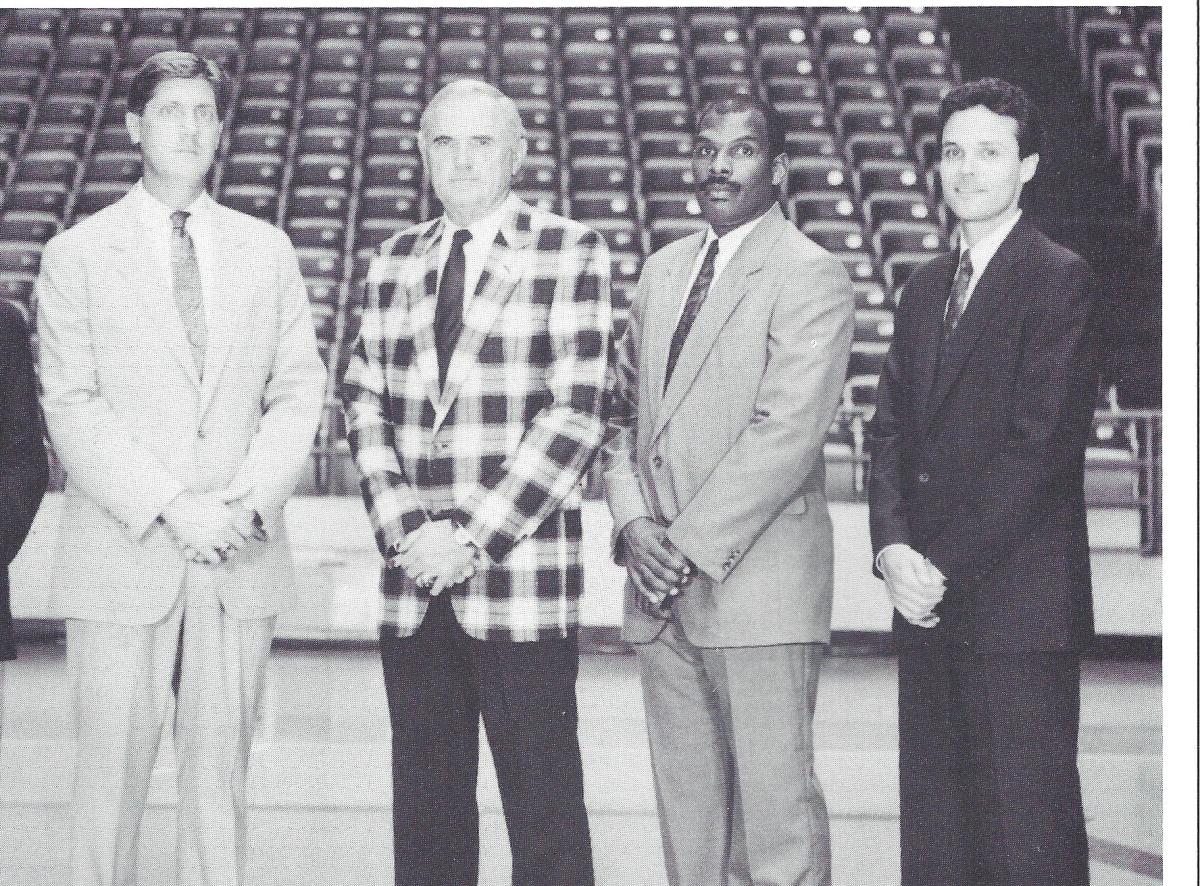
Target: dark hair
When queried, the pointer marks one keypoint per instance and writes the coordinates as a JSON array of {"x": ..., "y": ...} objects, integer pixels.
[
  {"x": 1000, "y": 98},
  {"x": 741, "y": 104},
  {"x": 176, "y": 65}
]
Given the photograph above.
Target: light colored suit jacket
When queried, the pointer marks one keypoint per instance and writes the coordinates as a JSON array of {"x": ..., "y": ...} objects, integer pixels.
[
  {"x": 730, "y": 455},
  {"x": 134, "y": 425}
]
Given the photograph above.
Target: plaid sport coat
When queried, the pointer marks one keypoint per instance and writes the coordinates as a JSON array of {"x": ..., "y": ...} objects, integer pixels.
[{"x": 503, "y": 447}]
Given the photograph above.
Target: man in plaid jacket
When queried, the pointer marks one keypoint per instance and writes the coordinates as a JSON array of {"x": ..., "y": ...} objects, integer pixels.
[{"x": 473, "y": 404}]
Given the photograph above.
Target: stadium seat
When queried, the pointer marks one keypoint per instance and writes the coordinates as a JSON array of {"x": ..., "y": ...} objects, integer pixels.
[
  {"x": 404, "y": 24},
  {"x": 58, "y": 137},
  {"x": 257, "y": 200},
  {"x": 892, "y": 237},
  {"x": 284, "y": 23},
  {"x": 86, "y": 83},
  {"x": 263, "y": 112},
  {"x": 330, "y": 112},
  {"x": 887, "y": 175},
  {"x": 350, "y": 24},
  {"x": 253, "y": 169},
  {"x": 323, "y": 170},
  {"x": 76, "y": 110},
  {"x": 398, "y": 206},
  {"x": 27, "y": 50},
  {"x": 220, "y": 23},
  {"x": 864, "y": 146},
  {"x": 817, "y": 174},
  {"x": 330, "y": 201},
  {"x": 882, "y": 206},
  {"x": 222, "y": 50},
  {"x": 37, "y": 197},
  {"x": 920, "y": 63},
  {"x": 845, "y": 60},
  {"x": 391, "y": 171},
  {"x": 14, "y": 110},
  {"x": 468, "y": 58},
  {"x": 274, "y": 54},
  {"x": 95, "y": 195},
  {"x": 525, "y": 25},
  {"x": 835, "y": 236},
  {"x": 823, "y": 205},
  {"x": 29, "y": 226},
  {"x": 115, "y": 167},
  {"x": 338, "y": 54},
  {"x": 51, "y": 167},
  {"x": 859, "y": 89},
  {"x": 258, "y": 140},
  {"x": 273, "y": 84},
  {"x": 17, "y": 288},
  {"x": 670, "y": 174}
]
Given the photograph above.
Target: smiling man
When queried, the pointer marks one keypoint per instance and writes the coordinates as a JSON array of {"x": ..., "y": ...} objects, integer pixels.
[
  {"x": 182, "y": 389},
  {"x": 474, "y": 403},
  {"x": 978, "y": 520},
  {"x": 728, "y": 376}
]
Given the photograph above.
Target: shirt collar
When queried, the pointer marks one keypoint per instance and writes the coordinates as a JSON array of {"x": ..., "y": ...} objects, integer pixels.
[
  {"x": 158, "y": 213},
  {"x": 982, "y": 252},
  {"x": 484, "y": 230},
  {"x": 731, "y": 240}
]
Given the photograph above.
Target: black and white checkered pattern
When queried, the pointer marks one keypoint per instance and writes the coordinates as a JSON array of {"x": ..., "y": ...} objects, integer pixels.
[{"x": 504, "y": 446}]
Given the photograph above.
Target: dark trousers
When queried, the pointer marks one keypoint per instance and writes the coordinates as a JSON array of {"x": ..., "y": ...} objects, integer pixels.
[
  {"x": 989, "y": 786},
  {"x": 438, "y": 682}
]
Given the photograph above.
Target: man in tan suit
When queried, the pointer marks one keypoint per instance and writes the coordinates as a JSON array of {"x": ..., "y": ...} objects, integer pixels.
[
  {"x": 728, "y": 377},
  {"x": 182, "y": 390}
]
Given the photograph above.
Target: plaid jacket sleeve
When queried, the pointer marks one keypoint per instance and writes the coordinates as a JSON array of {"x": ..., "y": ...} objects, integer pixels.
[
  {"x": 390, "y": 498},
  {"x": 559, "y": 443}
]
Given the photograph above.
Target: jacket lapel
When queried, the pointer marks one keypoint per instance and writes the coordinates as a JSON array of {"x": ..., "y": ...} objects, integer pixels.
[
  {"x": 502, "y": 269},
  {"x": 728, "y": 291},
  {"x": 664, "y": 301},
  {"x": 927, "y": 330},
  {"x": 990, "y": 293},
  {"x": 145, "y": 278},
  {"x": 230, "y": 293},
  {"x": 417, "y": 279}
]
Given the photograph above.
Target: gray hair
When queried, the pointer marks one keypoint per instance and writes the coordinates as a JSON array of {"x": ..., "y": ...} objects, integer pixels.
[{"x": 508, "y": 108}]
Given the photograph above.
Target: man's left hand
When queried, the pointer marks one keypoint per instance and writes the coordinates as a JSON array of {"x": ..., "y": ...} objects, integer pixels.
[{"x": 435, "y": 558}]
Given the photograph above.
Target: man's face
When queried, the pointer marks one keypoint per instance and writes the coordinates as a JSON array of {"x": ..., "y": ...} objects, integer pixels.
[
  {"x": 471, "y": 154},
  {"x": 982, "y": 169},
  {"x": 735, "y": 175},
  {"x": 178, "y": 131}
]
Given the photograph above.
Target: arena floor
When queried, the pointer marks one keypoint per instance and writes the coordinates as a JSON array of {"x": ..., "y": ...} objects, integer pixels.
[
  {"x": 321, "y": 792},
  {"x": 320, "y": 780}
]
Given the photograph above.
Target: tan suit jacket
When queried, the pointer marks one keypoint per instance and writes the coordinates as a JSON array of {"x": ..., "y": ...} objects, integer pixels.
[
  {"x": 730, "y": 455},
  {"x": 134, "y": 424}
]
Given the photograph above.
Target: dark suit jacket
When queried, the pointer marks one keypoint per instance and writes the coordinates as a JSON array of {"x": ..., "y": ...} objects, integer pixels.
[
  {"x": 979, "y": 464},
  {"x": 23, "y": 469}
]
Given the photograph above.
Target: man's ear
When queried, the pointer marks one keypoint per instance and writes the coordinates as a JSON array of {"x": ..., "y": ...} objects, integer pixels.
[
  {"x": 1029, "y": 166},
  {"x": 133, "y": 124},
  {"x": 779, "y": 170}
]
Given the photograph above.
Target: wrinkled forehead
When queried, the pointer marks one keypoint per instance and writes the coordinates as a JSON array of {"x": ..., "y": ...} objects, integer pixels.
[
  {"x": 468, "y": 113},
  {"x": 192, "y": 90},
  {"x": 728, "y": 126}
]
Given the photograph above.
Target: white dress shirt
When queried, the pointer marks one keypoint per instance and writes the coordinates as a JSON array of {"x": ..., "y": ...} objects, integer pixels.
[
  {"x": 729, "y": 244},
  {"x": 483, "y": 234},
  {"x": 156, "y": 219}
]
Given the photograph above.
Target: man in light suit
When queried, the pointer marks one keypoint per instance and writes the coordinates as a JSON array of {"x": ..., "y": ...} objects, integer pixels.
[
  {"x": 182, "y": 391},
  {"x": 979, "y": 524},
  {"x": 23, "y": 468},
  {"x": 728, "y": 376},
  {"x": 474, "y": 405}
]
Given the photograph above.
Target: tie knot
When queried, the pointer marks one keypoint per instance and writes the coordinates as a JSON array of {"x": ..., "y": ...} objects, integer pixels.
[
  {"x": 178, "y": 219},
  {"x": 461, "y": 236}
]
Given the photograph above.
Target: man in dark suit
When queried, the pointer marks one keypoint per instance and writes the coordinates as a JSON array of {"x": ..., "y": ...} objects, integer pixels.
[
  {"x": 474, "y": 404},
  {"x": 23, "y": 468},
  {"x": 978, "y": 521}
]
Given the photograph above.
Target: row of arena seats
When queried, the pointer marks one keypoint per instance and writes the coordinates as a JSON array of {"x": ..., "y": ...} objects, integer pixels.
[
  {"x": 320, "y": 133},
  {"x": 1119, "y": 50}
]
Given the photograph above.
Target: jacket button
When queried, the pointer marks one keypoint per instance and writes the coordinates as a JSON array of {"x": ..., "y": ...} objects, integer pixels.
[
  {"x": 922, "y": 477},
  {"x": 656, "y": 461},
  {"x": 200, "y": 433}
]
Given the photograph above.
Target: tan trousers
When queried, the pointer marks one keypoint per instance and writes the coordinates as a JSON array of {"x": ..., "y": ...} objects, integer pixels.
[
  {"x": 123, "y": 679},
  {"x": 731, "y": 745}
]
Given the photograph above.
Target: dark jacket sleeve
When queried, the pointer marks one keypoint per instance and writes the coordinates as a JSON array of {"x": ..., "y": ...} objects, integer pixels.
[
  {"x": 888, "y": 508},
  {"x": 23, "y": 470},
  {"x": 1048, "y": 424}
]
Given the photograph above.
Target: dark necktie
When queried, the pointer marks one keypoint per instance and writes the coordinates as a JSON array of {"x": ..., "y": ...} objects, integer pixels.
[
  {"x": 957, "y": 302},
  {"x": 447, "y": 318},
  {"x": 185, "y": 281},
  {"x": 691, "y": 308}
]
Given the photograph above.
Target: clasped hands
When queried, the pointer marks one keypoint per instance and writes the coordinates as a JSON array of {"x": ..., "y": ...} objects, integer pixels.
[
  {"x": 211, "y": 528},
  {"x": 656, "y": 567},
  {"x": 915, "y": 585},
  {"x": 434, "y": 558}
]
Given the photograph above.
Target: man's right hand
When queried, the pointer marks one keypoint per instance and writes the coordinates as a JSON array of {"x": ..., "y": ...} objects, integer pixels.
[
  {"x": 205, "y": 525},
  {"x": 914, "y": 584},
  {"x": 657, "y": 567}
]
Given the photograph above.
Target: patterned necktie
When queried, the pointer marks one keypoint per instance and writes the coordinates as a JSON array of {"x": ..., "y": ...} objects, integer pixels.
[
  {"x": 957, "y": 302},
  {"x": 185, "y": 277},
  {"x": 691, "y": 308},
  {"x": 447, "y": 317}
]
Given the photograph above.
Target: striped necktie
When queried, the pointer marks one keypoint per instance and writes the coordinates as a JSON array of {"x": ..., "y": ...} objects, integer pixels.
[
  {"x": 691, "y": 308},
  {"x": 957, "y": 303},
  {"x": 185, "y": 277}
]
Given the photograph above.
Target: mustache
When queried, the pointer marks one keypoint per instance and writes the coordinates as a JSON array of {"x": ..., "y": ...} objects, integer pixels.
[{"x": 719, "y": 182}]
